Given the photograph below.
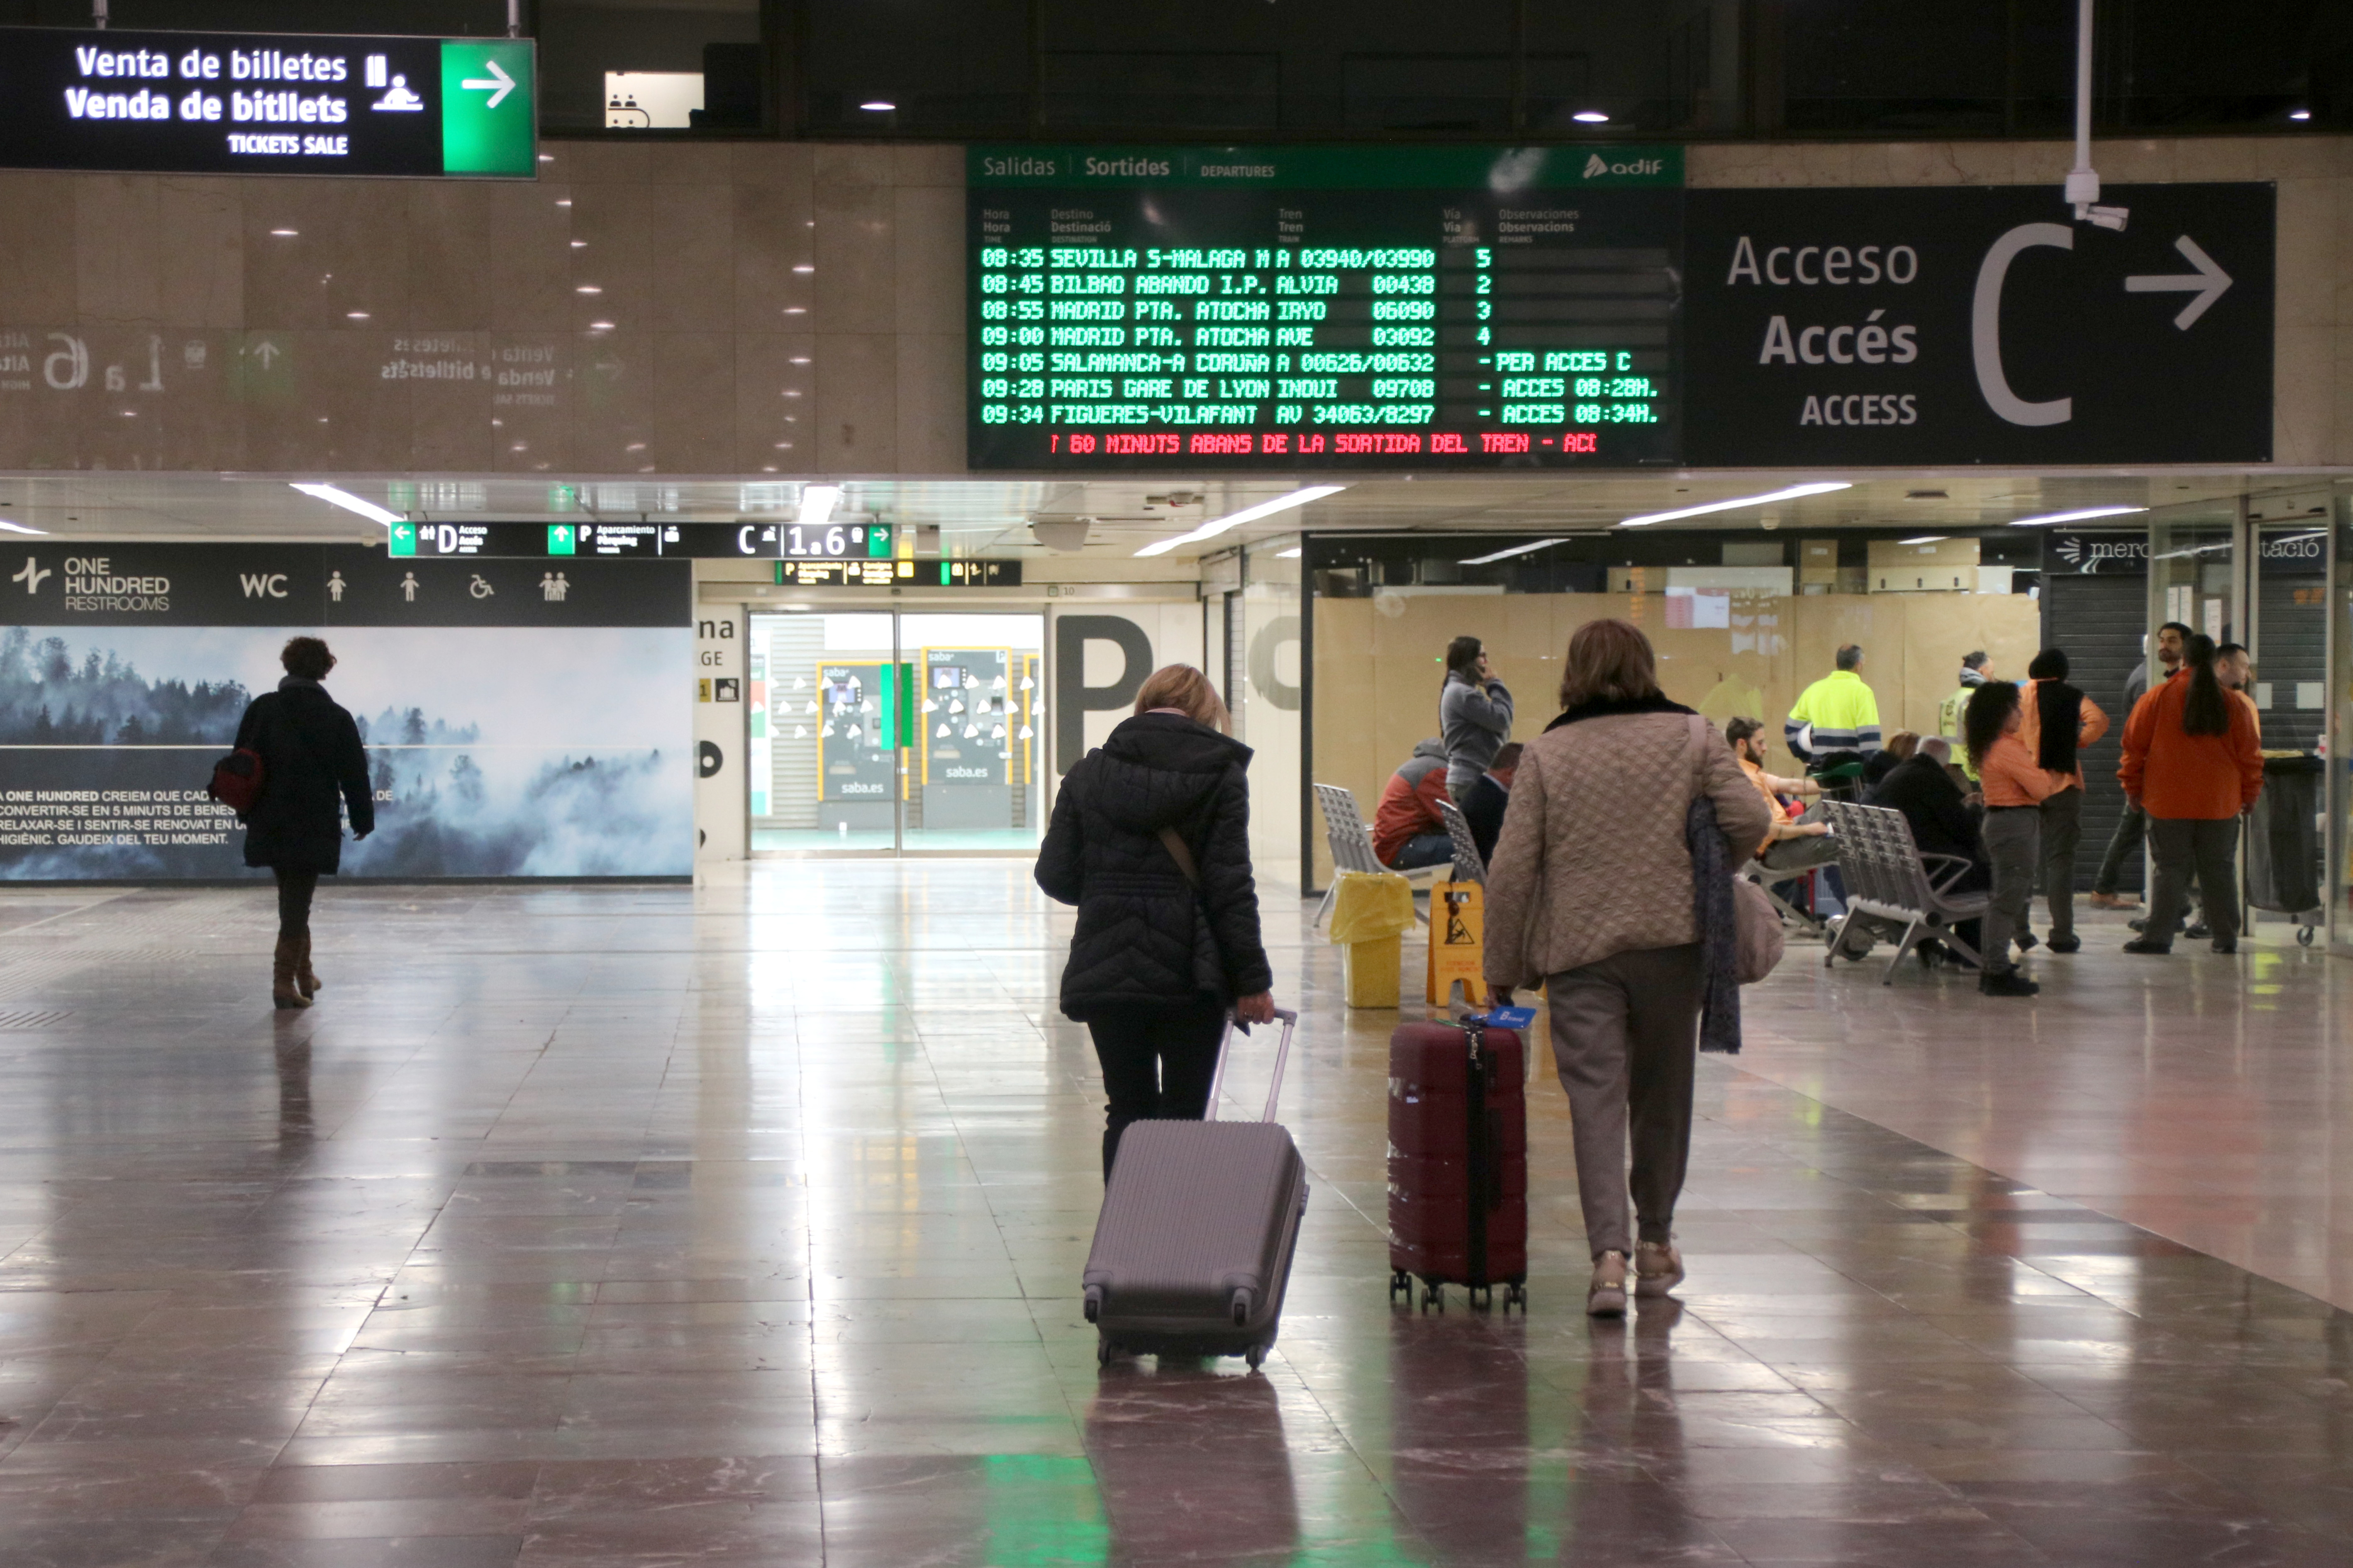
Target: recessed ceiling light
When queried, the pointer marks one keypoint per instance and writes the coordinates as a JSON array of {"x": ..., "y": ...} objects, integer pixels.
[
  {"x": 356, "y": 315},
  {"x": 1290, "y": 555},
  {"x": 348, "y": 501},
  {"x": 1590, "y": 117},
  {"x": 1792, "y": 493},
  {"x": 2089, "y": 511},
  {"x": 1218, "y": 525},
  {"x": 286, "y": 233},
  {"x": 600, "y": 326},
  {"x": 588, "y": 289},
  {"x": 1926, "y": 539},
  {"x": 2299, "y": 114},
  {"x": 877, "y": 107},
  {"x": 805, "y": 268}
]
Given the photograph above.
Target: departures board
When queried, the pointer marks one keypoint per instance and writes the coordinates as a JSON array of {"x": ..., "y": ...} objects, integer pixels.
[
  {"x": 1393, "y": 308},
  {"x": 1312, "y": 308}
]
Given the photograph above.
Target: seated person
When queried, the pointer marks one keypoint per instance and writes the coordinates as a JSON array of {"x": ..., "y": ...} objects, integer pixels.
[
  {"x": 1927, "y": 789},
  {"x": 1482, "y": 804},
  {"x": 1794, "y": 842},
  {"x": 1407, "y": 832},
  {"x": 1882, "y": 762}
]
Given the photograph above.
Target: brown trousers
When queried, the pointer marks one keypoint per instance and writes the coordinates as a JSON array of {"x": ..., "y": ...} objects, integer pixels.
[{"x": 1625, "y": 1035}]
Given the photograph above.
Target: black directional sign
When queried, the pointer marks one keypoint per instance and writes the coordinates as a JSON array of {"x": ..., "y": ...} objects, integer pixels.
[{"x": 1978, "y": 325}]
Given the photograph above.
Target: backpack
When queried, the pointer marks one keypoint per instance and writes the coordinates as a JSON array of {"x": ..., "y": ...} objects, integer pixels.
[{"x": 237, "y": 781}]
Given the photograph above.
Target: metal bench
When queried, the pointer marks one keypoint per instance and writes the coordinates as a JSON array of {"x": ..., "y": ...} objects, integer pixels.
[
  {"x": 1888, "y": 879},
  {"x": 1352, "y": 847},
  {"x": 1469, "y": 866},
  {"x": 1772, "y": 882}
]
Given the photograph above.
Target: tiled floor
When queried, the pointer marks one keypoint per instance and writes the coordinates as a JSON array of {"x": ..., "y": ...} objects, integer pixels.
[{"x": 743, "y": 1226}]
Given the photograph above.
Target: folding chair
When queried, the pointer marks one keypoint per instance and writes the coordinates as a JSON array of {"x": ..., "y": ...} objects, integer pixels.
[
  {"x": 1352, "y": 847},
  {"x": 1888, "y": 879}
]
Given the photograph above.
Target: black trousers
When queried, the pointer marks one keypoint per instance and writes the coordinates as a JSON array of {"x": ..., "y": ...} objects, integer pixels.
[
  {"x": 1157, "y": 1061},
  {"x": 294, "y": 891}
]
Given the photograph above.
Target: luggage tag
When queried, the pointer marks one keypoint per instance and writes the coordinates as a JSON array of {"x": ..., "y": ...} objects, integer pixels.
[{"x": 1515, "y": 1018}]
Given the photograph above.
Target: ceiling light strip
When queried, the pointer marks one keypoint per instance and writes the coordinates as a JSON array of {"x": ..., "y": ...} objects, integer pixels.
[
  {"x": 1515, "y": 549},
  {"x": 1216, "y": 526},
  {"x": 2089, "y": 511},
  {"x": 1792, "y": 493},
  {"x": 350, "y": 503}
]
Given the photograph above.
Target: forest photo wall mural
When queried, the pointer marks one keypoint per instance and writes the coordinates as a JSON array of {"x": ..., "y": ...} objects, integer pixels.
[{"x": 521, "y": 719}]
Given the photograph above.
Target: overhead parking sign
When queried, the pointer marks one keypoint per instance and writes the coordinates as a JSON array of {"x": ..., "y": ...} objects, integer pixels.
[
  {"x": 267, "y": 104},
  {"x": 1943, "y": 326}
]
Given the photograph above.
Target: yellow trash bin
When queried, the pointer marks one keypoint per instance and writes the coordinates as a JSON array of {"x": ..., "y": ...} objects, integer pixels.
[{"x": 1371, "y": 911}]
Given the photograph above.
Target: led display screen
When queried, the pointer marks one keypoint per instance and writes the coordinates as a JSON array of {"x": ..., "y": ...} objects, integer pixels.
[{"x": 1308, "y": 308}]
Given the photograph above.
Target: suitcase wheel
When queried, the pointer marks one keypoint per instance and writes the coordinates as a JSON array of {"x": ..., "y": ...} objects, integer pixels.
[
  {"x": 1516, "y": 1295},
  {"x": 1254, "y": 1356},
  {"x": 1433, "y": 1296},
  {"x": 1480, "y": 1297},
  {"x": 1399, "y": 1280},
  {"x": 2304, "y": 936},
  {"x": 1104, "y": 1350}
]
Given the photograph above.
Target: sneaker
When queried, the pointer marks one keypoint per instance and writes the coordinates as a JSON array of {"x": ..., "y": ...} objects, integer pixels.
[
  {"x": 2196, "y": 930},
  {"x": 2226, "y": 944},
  {"x": 2114, "y": 901},
  {"x": 2147, "y": 945},
  {"x": 2025, "y": 940},
  {"x": 1606, "y": 1297},
  {"x": 1658, "y": 1268},
  {"x": 2007, "y": 983},
  {"x": 2065, "y": 942}
]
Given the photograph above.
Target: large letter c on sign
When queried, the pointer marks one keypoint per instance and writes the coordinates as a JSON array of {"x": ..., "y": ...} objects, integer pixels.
[{"x": 1985, "y": 325}]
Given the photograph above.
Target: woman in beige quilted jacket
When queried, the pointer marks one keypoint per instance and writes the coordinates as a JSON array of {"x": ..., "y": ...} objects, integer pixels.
[{"x": 1590, "y": 895}]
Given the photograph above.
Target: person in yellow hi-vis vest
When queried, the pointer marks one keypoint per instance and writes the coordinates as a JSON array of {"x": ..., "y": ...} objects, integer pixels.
[
  {"x": 1976, "y": 671},
  {"x": 1836, "y": 713}
]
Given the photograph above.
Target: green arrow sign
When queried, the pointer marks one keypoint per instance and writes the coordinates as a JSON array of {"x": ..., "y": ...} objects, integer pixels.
[{"x": 490, "y": 123}]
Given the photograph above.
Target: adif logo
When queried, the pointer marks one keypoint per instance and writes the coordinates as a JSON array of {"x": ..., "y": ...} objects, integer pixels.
[
  {"x": 32, "y": 576},
  {"x": 1596, "y": 166}
]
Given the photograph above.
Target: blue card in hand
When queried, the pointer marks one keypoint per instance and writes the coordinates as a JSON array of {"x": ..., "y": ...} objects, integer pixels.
[{"x": 1510, "y": 1018}]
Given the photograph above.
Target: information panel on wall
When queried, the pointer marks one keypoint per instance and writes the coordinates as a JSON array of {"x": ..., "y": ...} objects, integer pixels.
[
  {"x": 1299, "y": 308},
  {"x": 267, "y": 104},
  {"x": 1400, "y": 309}
]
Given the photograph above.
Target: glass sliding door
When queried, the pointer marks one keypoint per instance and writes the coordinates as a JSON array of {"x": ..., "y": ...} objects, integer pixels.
[{"x": 885, "y": 732}]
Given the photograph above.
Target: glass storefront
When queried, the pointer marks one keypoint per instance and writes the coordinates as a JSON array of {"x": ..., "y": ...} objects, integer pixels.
[{"x": 879, "y": 732}]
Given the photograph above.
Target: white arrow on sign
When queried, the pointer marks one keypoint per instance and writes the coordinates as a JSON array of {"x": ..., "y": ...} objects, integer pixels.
[
  {"x": 2208, "y": 282},
  {"x": 498, "y": 85}
]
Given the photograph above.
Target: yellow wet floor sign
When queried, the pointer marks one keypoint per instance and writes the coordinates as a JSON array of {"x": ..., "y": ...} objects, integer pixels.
[{"x": 1457, "y": 940}]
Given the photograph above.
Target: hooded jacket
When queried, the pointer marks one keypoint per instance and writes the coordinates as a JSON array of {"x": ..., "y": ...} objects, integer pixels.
[
  {"x": 1409, "y": 801},
  {"x": 1144, "y": 936},
  {"x": 310, "y": 758}
]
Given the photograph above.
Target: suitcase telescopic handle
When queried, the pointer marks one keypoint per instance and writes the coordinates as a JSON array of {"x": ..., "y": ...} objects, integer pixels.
[{"x": 1290, "y": 1021}]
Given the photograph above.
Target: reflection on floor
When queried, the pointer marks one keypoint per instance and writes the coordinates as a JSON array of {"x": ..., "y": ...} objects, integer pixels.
[
  {"x": 743, "y": 1225},
  {"x": 965, "y": 840}
]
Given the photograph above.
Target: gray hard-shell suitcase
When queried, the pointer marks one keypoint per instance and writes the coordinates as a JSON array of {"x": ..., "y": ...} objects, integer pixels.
[{"x": 1192, "y": 1250}]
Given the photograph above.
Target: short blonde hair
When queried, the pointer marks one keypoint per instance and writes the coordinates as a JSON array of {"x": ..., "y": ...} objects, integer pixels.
[
  {"x": 1608, "y": 661},
  {"x": 1181, "y": 687}
]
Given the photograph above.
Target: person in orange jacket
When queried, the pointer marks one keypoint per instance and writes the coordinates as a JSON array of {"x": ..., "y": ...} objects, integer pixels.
[
  {"x": 2056, "y": 721},
  {"x": 2015, "y": 789},
  {"x": 2193, "y": 761}
]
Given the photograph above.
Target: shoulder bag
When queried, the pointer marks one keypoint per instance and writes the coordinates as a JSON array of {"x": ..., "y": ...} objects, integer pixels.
[{"x": 1758, "y": 941}]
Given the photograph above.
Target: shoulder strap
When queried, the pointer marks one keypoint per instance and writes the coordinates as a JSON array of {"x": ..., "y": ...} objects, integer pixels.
[
  {"x": 1177, "y": 851},
  {"x": 1700, "y": 731}
]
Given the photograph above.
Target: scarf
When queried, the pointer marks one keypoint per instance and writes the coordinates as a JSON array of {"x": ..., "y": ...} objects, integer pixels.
[
  {"x": 2058, "y": 708},
  {"x": 1713, "y": 918},
  {"x": 298, "y": 683}
]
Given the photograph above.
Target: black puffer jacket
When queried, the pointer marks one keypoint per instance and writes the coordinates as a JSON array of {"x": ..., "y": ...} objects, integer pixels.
[
  {"x": 310, "y": 754},
  {"x": 1142, "y": 935}
]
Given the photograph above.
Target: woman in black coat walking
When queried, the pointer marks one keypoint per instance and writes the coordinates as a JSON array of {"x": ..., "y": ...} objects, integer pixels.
[
  {"x": 311, "y": 756},
  {"x": 1151, "y": 840}
]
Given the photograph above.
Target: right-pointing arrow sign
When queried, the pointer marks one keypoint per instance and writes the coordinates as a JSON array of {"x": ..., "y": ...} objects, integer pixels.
[
  {"x": 2208, "y": 282},
  {"x": 498, "y": 84}
]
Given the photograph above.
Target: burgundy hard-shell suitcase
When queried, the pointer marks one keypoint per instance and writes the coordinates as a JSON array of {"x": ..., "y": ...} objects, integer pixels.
[
  {"x": 1192, "y": 1248},
  {"x": 1458, "y": 1162}
]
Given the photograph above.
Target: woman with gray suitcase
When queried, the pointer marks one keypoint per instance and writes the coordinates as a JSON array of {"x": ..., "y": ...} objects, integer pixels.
[{"x": 1150, "y": 839}]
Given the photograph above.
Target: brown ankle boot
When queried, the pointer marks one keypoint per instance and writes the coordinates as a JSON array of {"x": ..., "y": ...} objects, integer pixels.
[
  {"x": 306, "y": 979},
  {"x": 283, "y": 993}
]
